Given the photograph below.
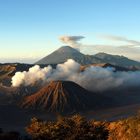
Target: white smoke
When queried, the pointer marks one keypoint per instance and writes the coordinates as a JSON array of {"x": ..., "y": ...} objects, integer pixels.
[
  {"x": 72, "y": 41},
  {"x": 92, "y": 78},
  {"x": 34, "y": 74}
]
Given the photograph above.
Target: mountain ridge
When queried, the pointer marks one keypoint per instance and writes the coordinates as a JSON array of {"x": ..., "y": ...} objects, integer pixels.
[
  {"x": 66, "y": 52},
  {"x": 116, "y": 59}
]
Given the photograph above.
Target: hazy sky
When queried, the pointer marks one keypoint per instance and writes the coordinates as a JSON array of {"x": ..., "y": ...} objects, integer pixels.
[{"x": 29, "y": 29}]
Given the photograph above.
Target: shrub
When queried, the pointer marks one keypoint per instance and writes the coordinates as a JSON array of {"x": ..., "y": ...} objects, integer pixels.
[
  {"x": 67, "y": 128},
  {"x": 127, "y": 129}
]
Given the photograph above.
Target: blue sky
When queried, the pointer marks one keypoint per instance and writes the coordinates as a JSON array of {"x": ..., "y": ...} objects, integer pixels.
[{"x": 29, "y": 29}]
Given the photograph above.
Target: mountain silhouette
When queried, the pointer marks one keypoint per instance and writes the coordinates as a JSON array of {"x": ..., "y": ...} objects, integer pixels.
[
  {"x": 117, "y": 60},
  {"x": 66, "y": 52}
]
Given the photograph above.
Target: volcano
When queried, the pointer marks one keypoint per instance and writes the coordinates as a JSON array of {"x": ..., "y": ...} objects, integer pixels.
[
  {"x": 62, "y": 96},
  {"x": 66, "y": 52}
]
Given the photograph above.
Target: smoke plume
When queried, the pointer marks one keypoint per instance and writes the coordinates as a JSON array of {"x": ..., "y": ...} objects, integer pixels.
[
  {"x": 72, "y": 41},
  {"x": 34, "y": 74},
  {"x": 92, "y": 78}
]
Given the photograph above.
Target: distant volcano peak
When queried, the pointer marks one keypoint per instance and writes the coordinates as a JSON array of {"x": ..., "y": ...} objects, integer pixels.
[
  {"x": 67, "y": 49},
  {"x": 64, "y": 53},
  {"x": 61, "y": 55}
]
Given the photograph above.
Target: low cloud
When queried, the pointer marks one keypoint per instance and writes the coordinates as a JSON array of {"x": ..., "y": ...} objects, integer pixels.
[
  {"x": 92, "y": 78},
  {"x": 122, "y": 39},
  {"x": 130, "y": 49}
]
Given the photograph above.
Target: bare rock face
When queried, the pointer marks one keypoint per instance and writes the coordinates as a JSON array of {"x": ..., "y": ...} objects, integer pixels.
[{"x": 62, "y": 96}]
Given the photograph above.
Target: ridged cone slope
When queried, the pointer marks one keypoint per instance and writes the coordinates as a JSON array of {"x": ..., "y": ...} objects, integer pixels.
[{"x": 61, "y": 96}]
